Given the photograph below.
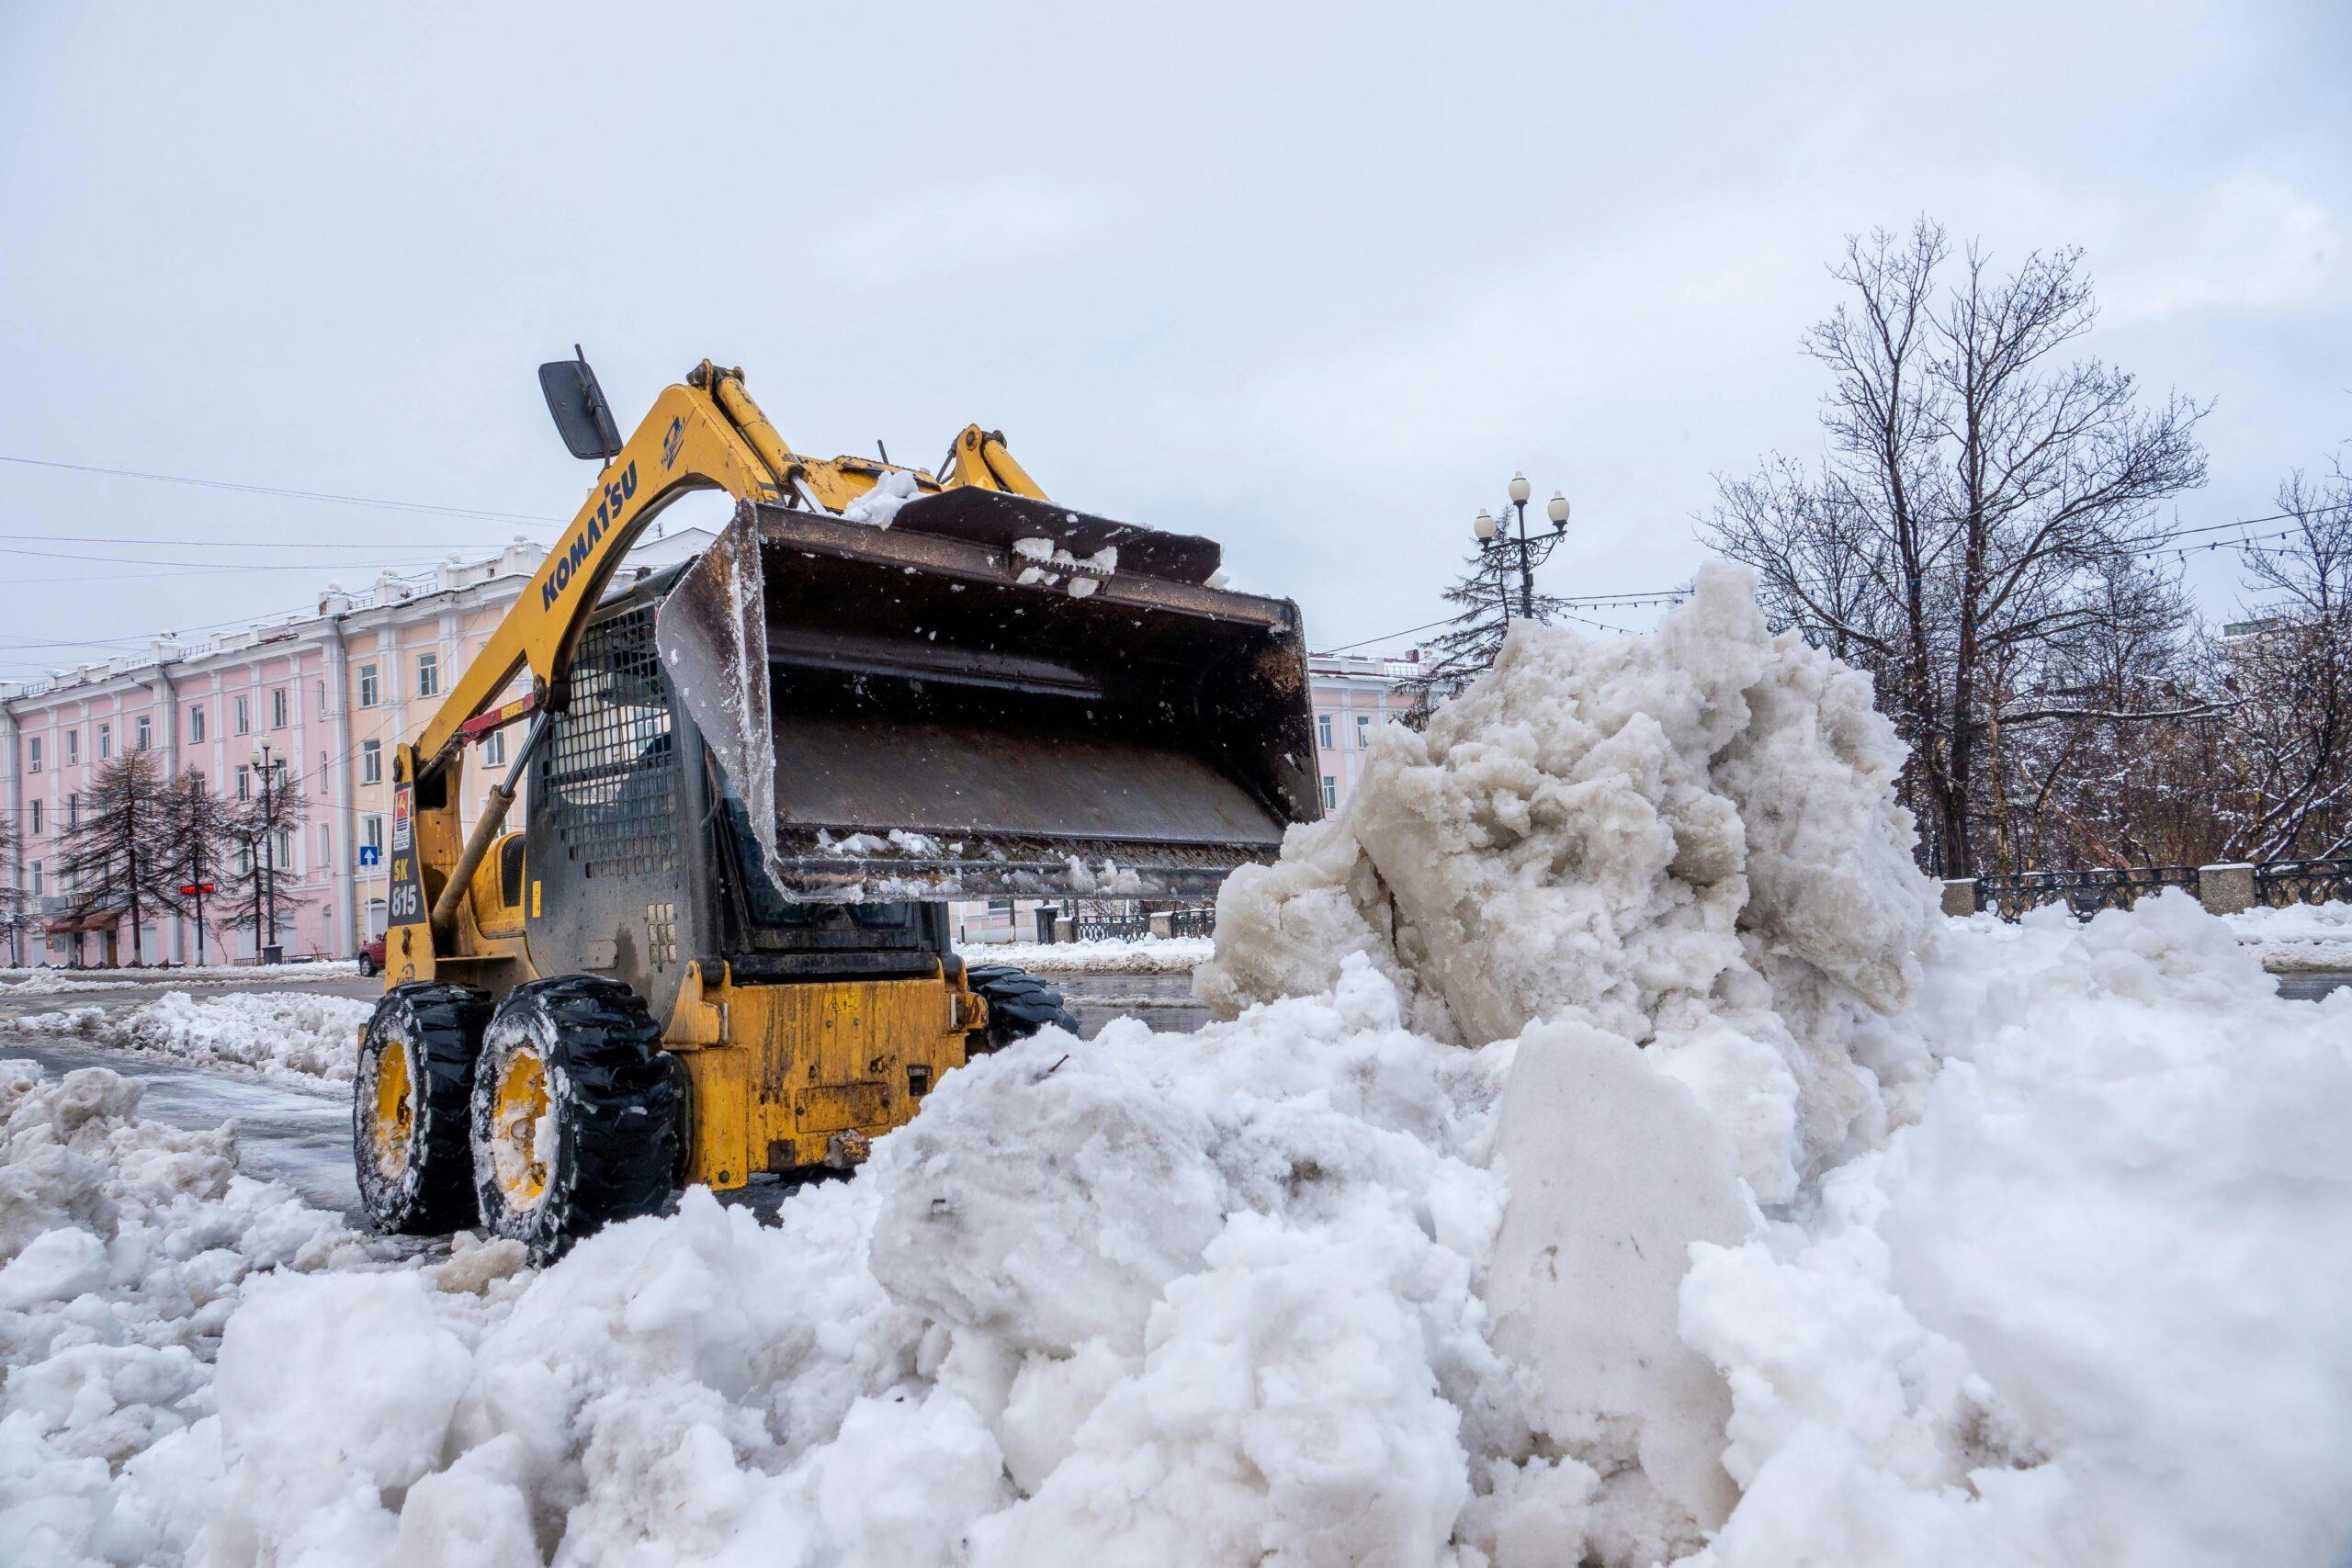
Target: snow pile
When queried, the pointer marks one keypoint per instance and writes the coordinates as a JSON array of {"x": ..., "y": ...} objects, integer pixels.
[
  {"x": 878, "y": 507},
  {"x": 2300, "y": 937},
  {"x": 1147, "y": 1298},
  {"x": 1111, "y": 955},
  {"x": 53, "y": 976},
  {"x": 124, "y": 1247},
  {"x": 2087, "y": 1306},
  {"x": 291, "y": 1037},
  {"x": 1049, "y": 563},
  {"x": 2331, "y": 921},
  {"x": 1641, "y": 1171}
]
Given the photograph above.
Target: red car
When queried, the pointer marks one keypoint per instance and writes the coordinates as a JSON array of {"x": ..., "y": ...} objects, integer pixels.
[{"x": 371, "y": 956}]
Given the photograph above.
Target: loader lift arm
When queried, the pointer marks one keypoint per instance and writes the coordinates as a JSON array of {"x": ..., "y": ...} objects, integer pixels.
[{"x": 706, "y": 433}]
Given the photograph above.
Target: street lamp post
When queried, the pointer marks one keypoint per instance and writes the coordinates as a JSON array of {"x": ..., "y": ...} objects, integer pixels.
[
  {"x": 1532, "y": 552},
  {"x": 270, "y": 953}
]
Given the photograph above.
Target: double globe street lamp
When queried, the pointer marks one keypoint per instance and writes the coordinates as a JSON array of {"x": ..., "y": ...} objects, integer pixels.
[{"x": 1532, "y": 552}]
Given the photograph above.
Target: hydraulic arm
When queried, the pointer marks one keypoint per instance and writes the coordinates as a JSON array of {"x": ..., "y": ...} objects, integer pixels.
[{"x": 707, "y": 434}]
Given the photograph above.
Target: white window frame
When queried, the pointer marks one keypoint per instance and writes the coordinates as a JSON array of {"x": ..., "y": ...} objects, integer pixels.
[
  {"x": 1330, "y": 793},
  {"x": 280, "y": 708},
  {"x": 1323, "y": 731},
  {"x": 244, "y": 715},
  {"x": 428, "y": 674},
  {"x": 32, "y": 753},
  {"x": 371, "y": 762},
  {"x": 493, "y": 748},
  {"x": 196, "y": 724},
  {"x": 371, "y": 691},
  {"x": 142, "y": 734}
]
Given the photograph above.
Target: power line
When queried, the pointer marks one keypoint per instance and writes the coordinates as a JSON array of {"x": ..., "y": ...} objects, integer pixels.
[
  {"x": 227, "y": 544},
  {"x": 190, "y": 565},
  {"x": 278, "y": 490}
]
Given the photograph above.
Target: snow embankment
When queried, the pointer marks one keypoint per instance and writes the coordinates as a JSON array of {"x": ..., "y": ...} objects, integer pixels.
[
  {"x": 46, "y": 978},
  {"x": 305, "y": 1040},
  {"x": 2300, "y": 937},
  {"x": 1614, "y": 1159},
  {"x": 1136, "y": 956}
]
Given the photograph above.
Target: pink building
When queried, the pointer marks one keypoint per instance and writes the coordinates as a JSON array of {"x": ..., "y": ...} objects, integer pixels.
[
  {"x": 330, "y": 695},
  {"x": 208, "y": 707}
]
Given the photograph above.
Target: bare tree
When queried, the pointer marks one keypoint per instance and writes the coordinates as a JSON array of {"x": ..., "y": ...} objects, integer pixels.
[
  {"x": 1976, "y": 493},
  {"x": 201, "y": 832},
  {"x": 263, "y": 889},
  {"x": 113, "y": 854},
  {"x": 13, "y": 916},
  {"x": 2289, "y": 667}
]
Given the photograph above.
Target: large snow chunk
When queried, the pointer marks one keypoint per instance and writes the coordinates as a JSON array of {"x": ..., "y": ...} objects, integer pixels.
[
  {"x": 335, "y": 1381},
  {"x": 1046, "y": 1195},
  {"x": 1616, "y": 1172}
]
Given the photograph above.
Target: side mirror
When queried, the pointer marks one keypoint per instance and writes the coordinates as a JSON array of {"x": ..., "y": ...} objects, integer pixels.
[{"x": 577, "y": 403}]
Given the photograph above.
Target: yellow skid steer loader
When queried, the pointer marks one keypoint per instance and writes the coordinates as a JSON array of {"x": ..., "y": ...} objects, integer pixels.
[{"x": 716, "y": 946}]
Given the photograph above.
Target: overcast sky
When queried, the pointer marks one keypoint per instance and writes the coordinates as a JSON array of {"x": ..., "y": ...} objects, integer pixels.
[{"x": 1312, "y": 280}]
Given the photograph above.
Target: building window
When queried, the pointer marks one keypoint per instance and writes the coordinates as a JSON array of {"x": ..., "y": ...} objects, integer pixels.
[
  {"x": 244, "y": 715},
  {"x": 36, "y": 808},
  {"x": 143, "y": 736},
  {"x": 106, "y": 741},
  {"x": 1323, "y": 731},
  {"x": 368, "y": 694},
  {"x": 493, "y": 749},
  {"x": 322, "y": 699},
  {"x": 1363, "y": 732},
  {"x": 277, "y": 707},
  {"x": 195, "y": 722},
  {"x": 322, "y": 772},
  {"x": 371, "y": 832},
  {"x": 73, "y": 812},
  {"x": 32, "y": 753},
  {"x": 72, "y": 748},
  {"x": 1330, "y": 793},
  {"x": 428, "y": 674},
  {"x": 326, "y": 844},
  {"x": 371, "y": 762},
  {"x": 35, "y": 869},
  {"x": 286, "y": 848},
  {"x": 245, "y": 783},
  {"x": 244, "y": 860}
]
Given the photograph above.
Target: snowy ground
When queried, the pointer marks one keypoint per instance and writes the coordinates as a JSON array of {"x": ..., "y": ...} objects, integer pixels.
[{"x": 1612, "y": 1157}]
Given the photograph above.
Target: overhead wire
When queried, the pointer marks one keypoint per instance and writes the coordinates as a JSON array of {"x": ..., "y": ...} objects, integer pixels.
[{"x": 329, "y": 496}]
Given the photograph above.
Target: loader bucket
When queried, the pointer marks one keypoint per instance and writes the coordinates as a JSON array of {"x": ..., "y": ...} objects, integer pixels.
[{"x": 992, "y": 695}]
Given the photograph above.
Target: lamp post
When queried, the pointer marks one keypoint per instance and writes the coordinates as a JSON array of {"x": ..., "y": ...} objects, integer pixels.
[
  {"x": 1532, "y": 552},
  {"x": 270, "y": 953}
]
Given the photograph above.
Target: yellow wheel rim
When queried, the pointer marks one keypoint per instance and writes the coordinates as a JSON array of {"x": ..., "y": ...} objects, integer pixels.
[
  {"x": 395, "y": 1116},
  {"x": 520, "y": 1125}
]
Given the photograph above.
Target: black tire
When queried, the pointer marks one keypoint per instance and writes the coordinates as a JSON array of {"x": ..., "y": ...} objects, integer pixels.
[
  {"x": 412, "y": 1108},
  {"x": 606, "y": 1096},
  {"x": 1018, "y": 1006}
]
